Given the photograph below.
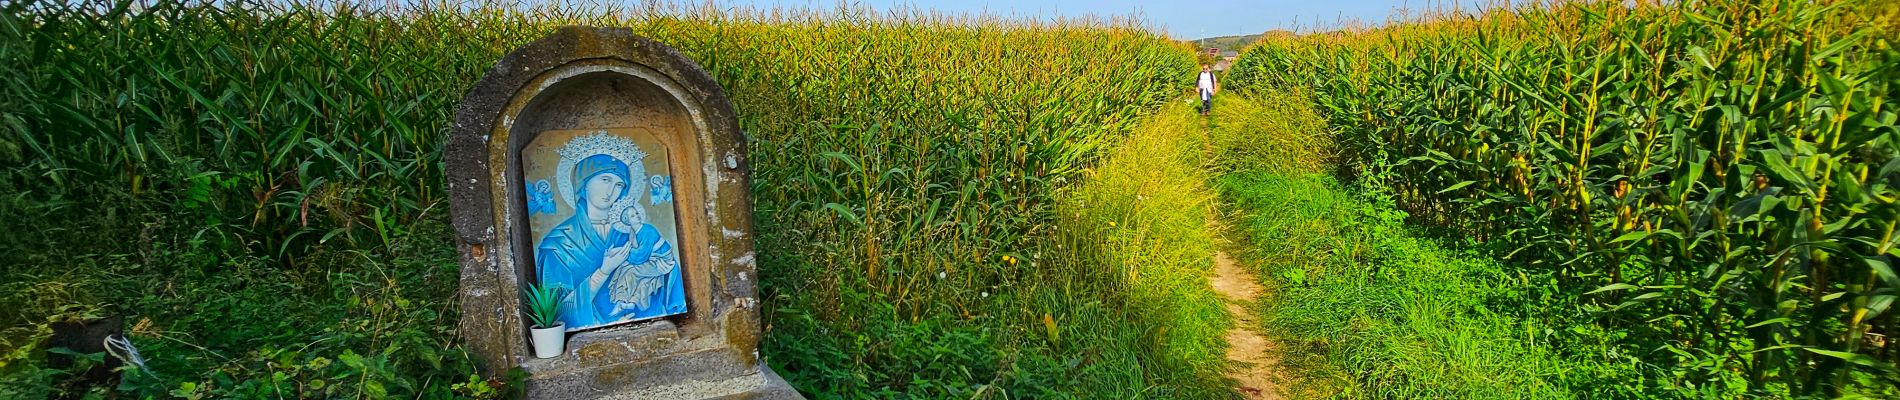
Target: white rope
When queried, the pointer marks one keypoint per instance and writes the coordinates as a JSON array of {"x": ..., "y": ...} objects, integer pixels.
[{"x": 121, "y": 348}]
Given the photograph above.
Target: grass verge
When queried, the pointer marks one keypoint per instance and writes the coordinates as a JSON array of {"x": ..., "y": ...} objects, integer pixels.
[
  {"x": 1373, "y": 311},
  {"x": 1139, "y": 228},
  {"x": 1362, "y": 307}
]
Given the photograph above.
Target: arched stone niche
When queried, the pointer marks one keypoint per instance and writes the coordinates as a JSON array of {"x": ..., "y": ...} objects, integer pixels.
[{"x": 523, "y": 119}]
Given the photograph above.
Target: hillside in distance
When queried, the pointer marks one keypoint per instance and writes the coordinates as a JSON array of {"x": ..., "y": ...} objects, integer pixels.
[{"x": 1237, "y": 42}]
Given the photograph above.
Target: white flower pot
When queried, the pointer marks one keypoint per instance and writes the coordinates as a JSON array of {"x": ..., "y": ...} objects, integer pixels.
[{"x": 549, "y": 342}]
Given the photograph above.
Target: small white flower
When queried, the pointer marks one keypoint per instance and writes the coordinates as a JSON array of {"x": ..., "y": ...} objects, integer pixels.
[
  {"x": 986, "y": 295},
  {"x": 940, "y": 274}
]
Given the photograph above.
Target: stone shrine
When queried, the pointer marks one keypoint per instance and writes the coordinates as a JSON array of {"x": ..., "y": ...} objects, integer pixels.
[{"x": 611, "y": 169}]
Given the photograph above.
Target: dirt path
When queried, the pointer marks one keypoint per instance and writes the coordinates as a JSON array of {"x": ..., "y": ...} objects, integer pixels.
[{"x": 1254, "y": 364}]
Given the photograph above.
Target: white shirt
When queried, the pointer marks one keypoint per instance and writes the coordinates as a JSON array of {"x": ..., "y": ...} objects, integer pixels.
[{"x": 1206, "y": 84}]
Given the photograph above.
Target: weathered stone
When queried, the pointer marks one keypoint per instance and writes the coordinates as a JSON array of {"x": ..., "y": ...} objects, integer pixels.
[
  {"x": 85, "y": 336},
  {"x": 609, "y": 80}
]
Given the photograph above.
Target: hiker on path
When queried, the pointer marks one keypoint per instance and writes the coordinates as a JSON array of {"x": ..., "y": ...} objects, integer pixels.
[{"x": 1207, "y": 86}]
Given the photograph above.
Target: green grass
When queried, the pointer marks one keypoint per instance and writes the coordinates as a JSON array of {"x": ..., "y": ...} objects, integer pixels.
[
  {"x": 1362, "y": 307},
  {"x": 1141, "y": 224},
  {"x": 1279, "y": 132},
  {"x": 1368, "y": 310}
]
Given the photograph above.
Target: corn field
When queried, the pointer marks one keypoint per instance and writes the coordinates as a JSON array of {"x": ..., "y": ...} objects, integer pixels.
[
  {"x": 905, "y": 169},
  {"x": 1714, "y": 180}
]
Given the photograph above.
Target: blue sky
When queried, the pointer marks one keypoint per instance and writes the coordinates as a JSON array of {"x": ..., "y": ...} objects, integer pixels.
[{"x": 1182, "y": 20}]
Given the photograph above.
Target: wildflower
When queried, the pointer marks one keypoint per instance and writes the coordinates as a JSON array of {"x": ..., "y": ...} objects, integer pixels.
[
  {"x": 986, "y": 294},
  {"x": 941, "y": 274}
]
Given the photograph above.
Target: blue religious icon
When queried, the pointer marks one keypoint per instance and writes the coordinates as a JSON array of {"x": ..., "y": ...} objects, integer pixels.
[
  {"x": 540, "y": 198},
  {"x": 661, "y": 190},
  {"x": 615, "y": 253}
]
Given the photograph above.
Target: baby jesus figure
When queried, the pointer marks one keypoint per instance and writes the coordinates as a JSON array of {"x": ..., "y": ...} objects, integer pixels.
[{"x": 643, "y": 279}]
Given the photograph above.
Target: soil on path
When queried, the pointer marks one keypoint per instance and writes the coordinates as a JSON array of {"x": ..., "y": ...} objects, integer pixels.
[{"x": 1254, "y": 364}]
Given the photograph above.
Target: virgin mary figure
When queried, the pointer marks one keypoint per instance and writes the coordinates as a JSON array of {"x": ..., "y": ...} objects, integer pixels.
[{"x": 618, "y": 267}]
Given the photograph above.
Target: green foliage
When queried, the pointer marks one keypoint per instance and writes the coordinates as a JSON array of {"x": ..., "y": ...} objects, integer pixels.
[
  {"x": 1366, "y": 310},
  {"x": 1712, "y": 182},
  {"x": 1360, "y": 307},
  {"x": 260, "y": 188},
  {"x": 1277, "y": 132},
  {"x": 1139, "y": 228},
  {"x": 544, "y": 304}
]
